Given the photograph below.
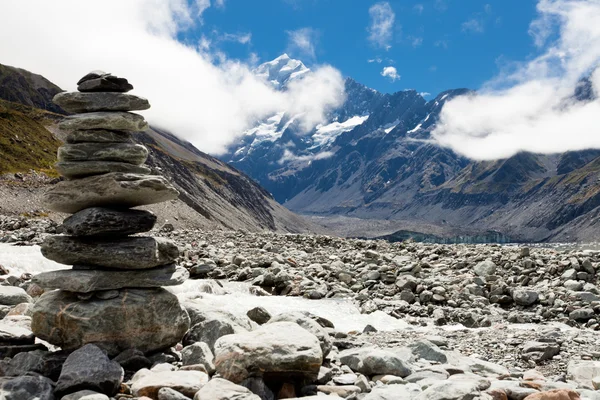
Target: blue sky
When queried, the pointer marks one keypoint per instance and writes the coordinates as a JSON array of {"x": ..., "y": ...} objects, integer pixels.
[{"x": 434, "y": 45}]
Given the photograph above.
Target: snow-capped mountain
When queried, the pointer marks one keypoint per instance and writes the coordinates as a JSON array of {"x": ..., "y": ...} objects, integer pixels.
[{"x": 373, "y": 159}]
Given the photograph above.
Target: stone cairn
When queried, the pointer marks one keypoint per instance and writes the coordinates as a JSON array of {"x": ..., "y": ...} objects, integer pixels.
[{"x": 113, "y": 296}]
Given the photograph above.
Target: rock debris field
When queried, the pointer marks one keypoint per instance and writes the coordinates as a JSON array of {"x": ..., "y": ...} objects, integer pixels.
[
  {"x": 473, "y": 322},
  {"x": 113, "y": 312}
]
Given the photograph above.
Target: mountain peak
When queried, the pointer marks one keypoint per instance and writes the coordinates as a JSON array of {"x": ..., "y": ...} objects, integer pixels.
[{"x": 282, "y": 70}]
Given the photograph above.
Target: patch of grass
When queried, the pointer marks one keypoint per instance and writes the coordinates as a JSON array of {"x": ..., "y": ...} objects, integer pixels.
[{"x": 25, "y": 143}]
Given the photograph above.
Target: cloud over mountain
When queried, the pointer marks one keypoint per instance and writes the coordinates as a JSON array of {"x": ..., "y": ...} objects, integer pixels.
[{"x": 196, "y": 92}]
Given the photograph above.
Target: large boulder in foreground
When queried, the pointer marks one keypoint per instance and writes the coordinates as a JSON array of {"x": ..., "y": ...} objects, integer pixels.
[
  {"x": 115, "y": 189},
  {"x": 281, "y": 350},
  {"x": 143, "y": 319}
]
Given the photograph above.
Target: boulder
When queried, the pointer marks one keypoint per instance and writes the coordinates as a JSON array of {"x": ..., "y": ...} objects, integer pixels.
[
  {"x": 556, "y": 394},
  {"x": 259, "y": 315},
  {"x": 98, "y": 221},
  {"x": 583, "y": 372},
  {"x": 26, "y": 387},
  {"x": 222, "y": 389},
  {"x": 85, "y": 395},
  {"x": 539, "y": 351},
  {"x": 199, "y": 353},
  {"x": 148, "y": 382},
  {"x": 485, "y": 268},
  {"x": 135, "y": 252},
  {"x": 89, "y": 368},
  {"x": 524, "y": 297},
  {"x": 109, "y": 190},
  {"x": 13, "y": 295},
  {"x": 113, "y": 120},
  {"x": 46, "y": 363},
  {"x": 84, "y": 169},
  {"x": 394, "y": 392},
  {"x": 78, "y": 102},
  {"x": 15, "y": 334},
  {"x": 91, "y": 280},
  {"x": 130, "y": 153},
  {"x": 279, "y": 350},
  {"x": 374, "y": 361},
  {"x": 310, "y": 325},
  {"x": 143, "y": 319},
  {"x": 452, "y": 390}
]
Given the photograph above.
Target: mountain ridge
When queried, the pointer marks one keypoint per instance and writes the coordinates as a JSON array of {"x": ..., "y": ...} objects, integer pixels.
[{"x": 388, "y": 168}]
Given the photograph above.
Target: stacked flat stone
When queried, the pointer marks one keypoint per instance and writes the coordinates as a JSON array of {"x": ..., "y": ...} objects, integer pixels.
[{"x": 113, "y": 296}]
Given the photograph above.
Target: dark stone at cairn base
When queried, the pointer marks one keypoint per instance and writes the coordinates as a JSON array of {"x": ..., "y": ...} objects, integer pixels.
[
  {"x": 143, "y": 319},
  {"x": 98, "y": 221},
  {"x": 121, "y": 253}
]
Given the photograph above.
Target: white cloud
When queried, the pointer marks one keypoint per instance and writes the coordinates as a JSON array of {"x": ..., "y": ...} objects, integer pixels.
[
  {"x": 302, "y": 42},
  {"x": 416, "y": 41},
  {"x": 243, "y": 38},
  {"x": 289, "y": 156},
  {"x": 197, "y": 94},
  {"x": 375, "y": 60},
  {"x": 419, "y": 8},
  {"x": 473, "y": 25},
  {"x": 440, "y": 5},
  {"x": 391, "y": 72},
  {"x": 530, "y": 107},
  {"x": 382, "y": 24}
]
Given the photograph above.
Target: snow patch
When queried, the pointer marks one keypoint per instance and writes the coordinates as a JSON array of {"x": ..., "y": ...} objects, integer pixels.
[
  {"x": 326, "y": 134},
  {"x": 416, "y": 129}
]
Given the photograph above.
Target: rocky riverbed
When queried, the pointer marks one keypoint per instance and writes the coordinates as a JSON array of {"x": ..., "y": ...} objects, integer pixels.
[{"x": 285, "y": 316}]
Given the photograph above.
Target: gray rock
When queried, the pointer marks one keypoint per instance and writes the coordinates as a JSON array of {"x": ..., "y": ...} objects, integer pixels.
[
  {"x": 167, "y": 393},
  {"x": 99, "y": 136},
  {"x": 132, "y": 360},
  {"x": 131, "y": 153},
  {"x": 394, "y": 392},
  {"x": 135, "y": 252},
  {"x": 97, "y": 221},
  {"x": 374, "y": 361},
  {"x": 26, "y": 387},
  {"x": 98, "y": 81},
  {"x": 428, "y": 351},
  {"x": 13, "y": 295},
  {"x": 308, "y": 324},
  {"x": 15, "y": 334},
  {"x": 280, "y": 350},
  {"x": 149, "y": 382},
  {"x": 114, "y": 120},
  {"x": 583, "y": 372},
  {"x": 209, "y": 324},
  {"x": 525, "y": 297},
  {"x": 452, "y": 390},
  {"x": 259, "y": 315},
  {"x": 83, "y": 169},
  {"x": 48, "y": 364},
  {"x": 109, "y": 190},
  {"x": 582, "y": 314},
  {"x": 91, "y": 280},
  {"x": 199, "y": 353},
  {"x": 85, "y": 395},
  {"x": 143, "y": 319},
  {"x": 539, "y": 351},
  {"x": 345, "y": 379},
  {"x": 485, "y": 268},
  {"x": 222, "y": 389},
  {"x": 89, "y": 368},
  {"x": 77, "y": 102}
]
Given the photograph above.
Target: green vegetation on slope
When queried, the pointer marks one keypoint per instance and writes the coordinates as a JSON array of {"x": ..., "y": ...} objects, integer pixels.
[{"x": 25, "y": 143}]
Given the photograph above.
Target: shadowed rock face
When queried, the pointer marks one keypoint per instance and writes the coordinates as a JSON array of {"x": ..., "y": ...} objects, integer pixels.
[
  {"x": 146, "y": 320},
  {"x": 98, "y": 221}
]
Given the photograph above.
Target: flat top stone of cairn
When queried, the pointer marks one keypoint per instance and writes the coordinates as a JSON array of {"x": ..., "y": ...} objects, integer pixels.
[{"x": 100, "y": 81}]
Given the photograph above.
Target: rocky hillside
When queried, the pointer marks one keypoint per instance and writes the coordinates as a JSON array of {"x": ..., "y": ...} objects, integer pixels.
[
  {"x": 213, "y": 195},
  {"x": 374, "y": 160}
]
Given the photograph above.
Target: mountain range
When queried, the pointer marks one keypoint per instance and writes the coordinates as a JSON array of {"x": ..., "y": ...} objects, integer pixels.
[
  {"x": 213, "y": 194},
  {"x": 372, "y": 169}
]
